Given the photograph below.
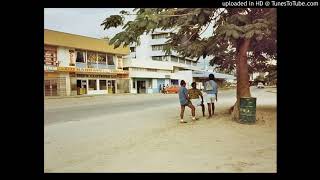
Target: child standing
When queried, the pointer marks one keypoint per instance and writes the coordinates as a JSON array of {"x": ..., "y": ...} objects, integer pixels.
[{"x": 185, "y": 101}]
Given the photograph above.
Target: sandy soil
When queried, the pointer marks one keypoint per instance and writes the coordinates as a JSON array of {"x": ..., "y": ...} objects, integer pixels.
[{"x": 215, "y": 145}]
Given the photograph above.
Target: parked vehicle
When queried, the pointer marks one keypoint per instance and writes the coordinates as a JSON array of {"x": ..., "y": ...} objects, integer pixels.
[
  {"x": 172, "y": 89},
  {"x": 260, "y": 85}
]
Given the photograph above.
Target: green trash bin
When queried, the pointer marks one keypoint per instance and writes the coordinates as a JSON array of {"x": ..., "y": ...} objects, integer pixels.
[{"x": 247, "y": 110}]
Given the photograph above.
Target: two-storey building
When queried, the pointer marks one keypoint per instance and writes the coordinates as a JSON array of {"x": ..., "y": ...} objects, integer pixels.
[{"x": 76, "y": 65}]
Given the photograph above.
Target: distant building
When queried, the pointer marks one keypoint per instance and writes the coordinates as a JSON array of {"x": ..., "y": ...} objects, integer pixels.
[{"x": 149, "y": 66}]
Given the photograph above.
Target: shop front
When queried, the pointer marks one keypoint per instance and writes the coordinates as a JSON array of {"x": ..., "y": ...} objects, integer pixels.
[
  {"x": 54, "y": 85},
  {"x": 142, "y": 86},
  {"x": 65, "y": 81},
  {"x": 96, "y": 84}
]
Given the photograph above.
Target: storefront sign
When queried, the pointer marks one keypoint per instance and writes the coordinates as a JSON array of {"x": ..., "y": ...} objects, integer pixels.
[
  {"x": 93, "y": 70},
  {"x": 67, "y": 69},
  {"x": 50, "y": 68},
  {"x": 90, "y": 70}
]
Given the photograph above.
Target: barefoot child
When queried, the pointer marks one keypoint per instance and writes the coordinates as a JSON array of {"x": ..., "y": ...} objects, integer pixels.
[
  {"x": 195, "y": 95},
  {"x": 185, "y": 101},
  {"x": 211, "y": 88}
]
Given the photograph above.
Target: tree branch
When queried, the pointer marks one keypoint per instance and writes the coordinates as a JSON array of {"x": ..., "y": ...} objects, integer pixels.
[{"x": 166, "y": 15}]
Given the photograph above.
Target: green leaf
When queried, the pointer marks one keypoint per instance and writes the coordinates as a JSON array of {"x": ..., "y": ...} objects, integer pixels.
[
  {"x": 235, "y": 34},
  {"x": 112, "y": 21},
  {"x": 228, "y": 33},
  {"x": 124, "y": 12},
  {"x": 239, "y": 28},
  {"x": 249, "y": 34},
  {"x": 248, "y": 27},
  {"x": 117, "y": 44},
  {"x": 142, "y": 23},
  {"x": 258, "y": 32}
]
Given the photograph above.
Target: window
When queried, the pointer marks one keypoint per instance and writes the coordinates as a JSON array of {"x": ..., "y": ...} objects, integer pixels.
[
  {"x": 80, "y": 56},
  {"x": 165, "y": 58},
  {"x": 103, "y": 84},
  {"x": 194, "y": 63},
  {"x": 91, "y": 57},
  {"x": 151, "y": 70},
  {"x": 188, "y": 62},
  {"x": 174, "y": 59},
  {"x": 182, "y": 60},
  {"x": 132, "y": 49},
  {"x": 92, "y": 84},
  {"x": 157, "y": 58},
  {"x": 159, "y": 36},
  {"x": 102, "y": 58},
  {"x": 92, "y": 76},
  {"x": 150, "y": 83},
  {"x": 157, "y": 47},
  {"x": 120, "y": 62},
  {"x": 110, "y": 59}
]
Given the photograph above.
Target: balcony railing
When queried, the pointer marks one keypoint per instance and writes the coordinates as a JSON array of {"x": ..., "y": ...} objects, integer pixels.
[
  {"x": 111, "y": 67},
  {"x": 92, "y": 65},
  {"x": 102, "y": 66},
  {"x": 95, "y": 65},
  {"x": 81, "y": 65}
]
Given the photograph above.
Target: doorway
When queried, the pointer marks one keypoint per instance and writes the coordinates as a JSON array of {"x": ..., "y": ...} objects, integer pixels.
[
  {"x": 51, "y": 87},
  {"x": 81, "y": 87},
  {"x": 141, "y": 87},
  {"x": 111, "y": 86}
]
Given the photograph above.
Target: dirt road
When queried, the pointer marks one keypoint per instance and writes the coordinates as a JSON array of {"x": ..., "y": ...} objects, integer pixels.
[{"x": 141, "y": 133}]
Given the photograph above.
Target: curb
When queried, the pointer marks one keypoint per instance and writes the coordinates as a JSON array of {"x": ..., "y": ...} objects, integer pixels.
[
  {"x": 87, "y": 96},
  {"x": 105, "y": 95}
]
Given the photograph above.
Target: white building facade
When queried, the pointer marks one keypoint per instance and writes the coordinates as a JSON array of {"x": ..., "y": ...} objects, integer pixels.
[{"x": 149, "y": 67}]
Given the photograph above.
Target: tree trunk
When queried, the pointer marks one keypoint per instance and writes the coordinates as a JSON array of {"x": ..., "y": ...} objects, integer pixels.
[{"x": 243, "y": 87}]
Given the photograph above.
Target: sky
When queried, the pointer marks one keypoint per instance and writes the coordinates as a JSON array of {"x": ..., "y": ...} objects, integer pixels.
[
  {"x": 81, "y": 21},
  {"x": 86, "y": 21}
]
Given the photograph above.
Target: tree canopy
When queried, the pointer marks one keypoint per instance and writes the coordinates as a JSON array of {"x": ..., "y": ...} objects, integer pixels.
[{"x": 187, "y": 25}]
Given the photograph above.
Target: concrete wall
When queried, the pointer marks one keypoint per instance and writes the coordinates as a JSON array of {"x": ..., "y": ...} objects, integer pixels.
[
  {"x": 138, "y": 74},
  {"x": 144, "y": 50},
  {"x": 63, "y": 56},
  {"x": 133, "y": 90},
  {"x": 155, "y": 86},
  {"x": 98, "y": 92},
  {"x": 123, "y": 85},
  {"x": 143, "y": 63},
  {"x": 183, "y": 75},
  {"x": 149, "y": 86},
  {"x": 67, "y": 83}
]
